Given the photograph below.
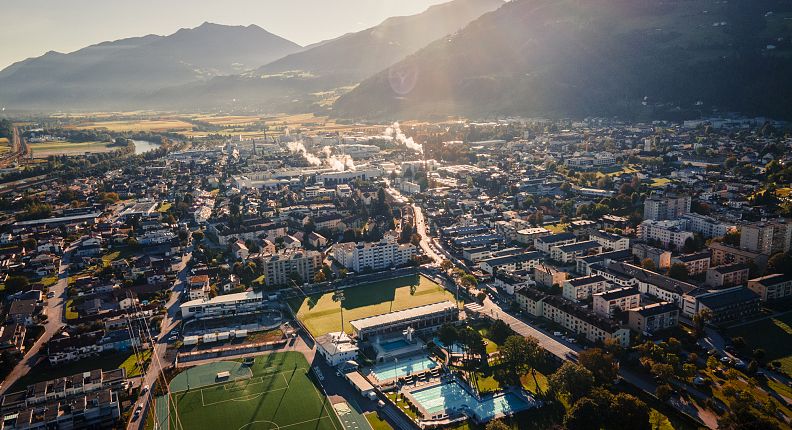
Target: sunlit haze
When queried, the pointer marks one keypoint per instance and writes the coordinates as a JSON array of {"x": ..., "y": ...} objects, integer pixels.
[{"x": 39, "y": 26}]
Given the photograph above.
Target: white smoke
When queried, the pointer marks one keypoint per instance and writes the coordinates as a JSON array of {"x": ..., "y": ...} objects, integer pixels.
[
  {"x": 402, "y": 139},
  {"x": 337, "y": 162},
  {"x": 298, "y": 147}
]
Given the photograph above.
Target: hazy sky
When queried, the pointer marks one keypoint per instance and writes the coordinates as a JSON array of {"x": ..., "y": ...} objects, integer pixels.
[{"x": 30, "y": 28}]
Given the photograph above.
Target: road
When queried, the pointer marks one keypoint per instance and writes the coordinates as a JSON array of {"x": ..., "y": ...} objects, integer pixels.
[
  {"x": 56, "y": 319},
  {"x": 169, "y": 322}
]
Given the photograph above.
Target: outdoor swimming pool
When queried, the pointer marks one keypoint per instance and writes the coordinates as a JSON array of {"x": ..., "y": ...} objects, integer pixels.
[
  {"x": 450, "y": 396},
  {"x": 455, "y": 348},
  {"x": 393, "y": 345},
  {"x": 402, "y": 367}
]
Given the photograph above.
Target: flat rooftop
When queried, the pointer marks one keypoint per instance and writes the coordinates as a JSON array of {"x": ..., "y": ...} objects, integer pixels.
[{"x": 402, "y": 315}]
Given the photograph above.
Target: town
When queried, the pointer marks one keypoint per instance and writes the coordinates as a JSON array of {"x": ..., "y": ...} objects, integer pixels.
[{"x": 452, "y": 274}]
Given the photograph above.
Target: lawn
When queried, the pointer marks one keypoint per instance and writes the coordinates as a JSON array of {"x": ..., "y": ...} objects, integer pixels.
[
  {"x": 279, "y": 393},
  {"x": 153, "y": 125},
  {"x": 44, "y": 371},
  {"x": 321, "y": 315},
  {"x": 49, "y": 281},
  {"x": 767, "y": 334},
  {"x": 43, "y": 150},
  {"x": 376, "y": 422},
  {"x": 71, "y": 314},
  {"x": 558, "y": 227},
  {"x": 659, "y": 182}
]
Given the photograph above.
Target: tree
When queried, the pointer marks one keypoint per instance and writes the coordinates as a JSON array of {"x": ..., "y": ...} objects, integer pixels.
[
  {"x": 499, "y": 331},
  {"x": 468, "y": 281},
  {"x": 16, "y": 283},
  {"x": 627, "y": 412},
  {"x": 520, "y": 356},
  {"x": 780, "y": 262},
  {"x": 600, "y": 363},
  {"x": 648, "y": 264},
  {"x": 678, "y": 271},
  {"x": 319, "y": 277},
  {"x": 663, "y": 371},
  {"x": 446, "y": 264},
  {"x": 700, "y": 320},
  {"x": 571, "y": 380},
  {"x": 663, "y": 392},
  {"x": 497, "y": 425},
  {"x": 448, "y": 334},
  {"x": 585, "y": 414}
]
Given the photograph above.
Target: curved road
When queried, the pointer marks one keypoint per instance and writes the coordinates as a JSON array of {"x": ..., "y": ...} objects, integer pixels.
[{"x": 55, "y": 320}]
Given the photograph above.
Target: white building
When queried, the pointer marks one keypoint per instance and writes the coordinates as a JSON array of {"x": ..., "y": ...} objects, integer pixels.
[
  {"x": 582, "y": 288},
  {"x": 374, "y": 255},
  {"x": 610, "y": 241},
  {"x": 223, "y": 306},
  {"x": 666, "y": 232},
  {"x": 337, "y": 348},
  {"x": 707, "y": 226}
]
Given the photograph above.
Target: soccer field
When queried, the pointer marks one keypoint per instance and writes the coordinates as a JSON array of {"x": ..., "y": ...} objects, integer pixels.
[
  {"x": 273, "y": 393},
  {"x": 321, "y": 315}
]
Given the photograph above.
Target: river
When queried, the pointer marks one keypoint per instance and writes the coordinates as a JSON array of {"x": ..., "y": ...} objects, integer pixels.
[{"x": 142, "y": 146}]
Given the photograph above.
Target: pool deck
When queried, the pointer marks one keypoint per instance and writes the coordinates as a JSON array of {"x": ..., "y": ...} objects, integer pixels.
[
  {"x": 446, "y": 418},
  {"x": 372, "y": 377}
]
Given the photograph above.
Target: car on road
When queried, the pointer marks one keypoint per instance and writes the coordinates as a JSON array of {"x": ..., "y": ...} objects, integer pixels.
[
  {"x": 144, "y": 390},
  {"x": 51, "y": 294}
]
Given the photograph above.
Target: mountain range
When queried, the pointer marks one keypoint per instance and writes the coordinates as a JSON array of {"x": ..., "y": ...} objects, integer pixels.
[
  {"x": 215, "y": 65},
  {"x": 109, "y": 73},
  {"x": 632, "y": 58},
  {"x": 479, "y": 58}
]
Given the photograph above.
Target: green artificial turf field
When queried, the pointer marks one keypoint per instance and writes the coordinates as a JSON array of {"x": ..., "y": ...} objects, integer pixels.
[{"x": 274, "y": 392}]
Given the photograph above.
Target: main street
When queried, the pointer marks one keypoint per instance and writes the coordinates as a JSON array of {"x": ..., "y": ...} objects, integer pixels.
[
  {"x": 56, "y": 319},
  {"x": 168, "y": 323}
]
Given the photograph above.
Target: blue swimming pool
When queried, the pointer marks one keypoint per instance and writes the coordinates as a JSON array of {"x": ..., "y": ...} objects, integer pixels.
[
  {"x": 402, "y": 367},
  {"x": 455, "y": 348},
  {"x": 393, "y": 345},
  {"x": 449, "y": 396}
]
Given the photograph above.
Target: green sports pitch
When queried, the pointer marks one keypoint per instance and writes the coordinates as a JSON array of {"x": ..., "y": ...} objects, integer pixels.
[{"x": 274, "y": 392}]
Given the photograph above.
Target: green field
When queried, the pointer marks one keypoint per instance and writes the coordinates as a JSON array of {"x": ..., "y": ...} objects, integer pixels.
[
  {"x": 43, "y": 150},
  {"x": 321, "y": 315},
  {"x": 768, "y": 334},
  {"x": 277, "y": 394}
]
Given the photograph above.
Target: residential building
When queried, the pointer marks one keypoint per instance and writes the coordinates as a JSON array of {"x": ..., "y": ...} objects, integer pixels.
[
  {"x": 547, "y": 276},
  {"x": 544, "y": 243},
  {"x": 606, "y": 303},
  {"x": 728, "y": 276},
  {"x": 280, "y": 268},
  {"x": 652, "y": 318},
  {"x": 771, "y": 287},
  {"x": 198, "y": 287},
  {"x": 224, "y": 306},
  {"x": 568, "y": 253},
  {"x": 582, "y": 288},
  {"x": 659, "y": 208},
  {"x": 708, "y": 227},
  {"x": 696, "y": 264},
  {"x": 374, "y": 255},
  {"x": 585, "y": 263},
  {"x": 528, "y": 236},
  {"x": 766, "y": 237},
  {"x": 729, "y": 305},
  {"x": 572, "y": 317},
  {"x": 610, "y": 241},
  {"x": 668, "y": 233},
  {"x": 660, "y": 257},
  {"x": 523, "y": 261},
  {"x": 724, "y": 254}
]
